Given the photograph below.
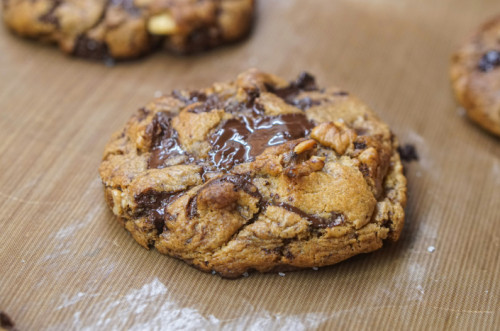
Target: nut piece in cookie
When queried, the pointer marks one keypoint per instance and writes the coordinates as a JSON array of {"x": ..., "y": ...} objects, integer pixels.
[
  {"x": 257, "y": 174},
  {"x": 475, "y": 76}
]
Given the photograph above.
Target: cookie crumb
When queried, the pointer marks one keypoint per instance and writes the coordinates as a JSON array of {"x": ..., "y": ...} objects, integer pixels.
[
  {"x": 282, "y": 274},
  {"x": 431, "y": 249},
  {"x": 408, "y": 153},
  {"x": 6, "y": 322}
]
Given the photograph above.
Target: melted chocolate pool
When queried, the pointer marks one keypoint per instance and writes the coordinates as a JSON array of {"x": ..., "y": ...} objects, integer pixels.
[{"x": 241, "y": 139}]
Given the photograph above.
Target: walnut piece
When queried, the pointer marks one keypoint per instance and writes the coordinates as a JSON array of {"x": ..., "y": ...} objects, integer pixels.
[
  {"x": 335, "y": 135},
  {"x": 162, "y": 24},
  {"x": 304, "y": 146}
]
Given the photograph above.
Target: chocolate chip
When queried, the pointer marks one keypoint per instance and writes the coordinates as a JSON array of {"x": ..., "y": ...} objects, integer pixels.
[
  {"x": 305, "y": 103},
  {"x": 192, "y": 207},
  {"x": 359, "y": 145},
  {"x": 164, "y": 140},
  {"x": 90, "y": 48},
  {"x": 335, "y": 219},
  {"x": 305, "y": 82},
  {"x": 50, "y": 16},
  {"x": 489, "y": 61},
  {"x": 408, "y": 153},
  {"x": 155, "y": 203},
  {"x": 208, "y": 103},
  {"x": 202, "y": 38}
]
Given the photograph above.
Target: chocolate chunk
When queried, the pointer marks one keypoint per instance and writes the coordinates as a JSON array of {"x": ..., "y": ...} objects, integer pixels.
[
  {"x": 155, "y": 203},
  {"x": 50, "y": 16},
  {"x": 241, "y": 183},
  {"x": 305, "y": 103},
  {"x": 90, "y": 48},
  {"x": 202, "y": 39},
  {"x": 305, "y": 82},
  {"x": 335, "y": 219},
  {"x": 489, "y": 61},
  {"x": 359, "y": 145},
  {"x": 241, "y": 139},
  {"x": 209, "y": 103},
  {"x": 252, "y": 94},
  {"x": 408, "y": 153},
  {"x": 192, "y": 207},
  {"x": 164, "y": 142}
]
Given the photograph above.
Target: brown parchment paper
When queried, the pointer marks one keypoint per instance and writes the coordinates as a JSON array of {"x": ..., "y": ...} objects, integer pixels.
[{"x": 66, "y": 264}]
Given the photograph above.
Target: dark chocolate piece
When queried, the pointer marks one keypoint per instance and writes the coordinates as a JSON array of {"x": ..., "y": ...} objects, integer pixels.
[
  {"x": 243, "y": 138},
  {"x": 90, "y": 48},
  {"x": 335, "y": 219},
  {"x": 202, "y": 39},
  {"x": 50, "y": 16},
  {"x": 155, "y": 203},
  {"x": 305, "y": 82},
  {"x": 359, "y": 145},
  {"x": 305, "y": 103},
  {"x": 164, "y": 142},
  {"x": 210, "y": 103}
]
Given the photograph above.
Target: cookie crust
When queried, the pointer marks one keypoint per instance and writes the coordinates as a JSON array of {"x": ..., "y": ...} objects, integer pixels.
[
  {"x": 475, "y": 76},
  {"x": 257, "y": 174},
  {"x": 121, "y": 29}
]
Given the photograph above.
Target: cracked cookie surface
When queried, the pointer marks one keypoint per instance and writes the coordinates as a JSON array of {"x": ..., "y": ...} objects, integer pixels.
[
  {"x": 475, "y": 76},
  {"x": 256, "y": 174},
  {"x": 120, "y": 29}
]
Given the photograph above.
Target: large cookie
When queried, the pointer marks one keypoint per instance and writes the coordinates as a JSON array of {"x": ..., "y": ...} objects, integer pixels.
[
  {"x": 120, "y": 29},
  {"x": 258, "y": 174},
  {"x": 475, "y": 76}
]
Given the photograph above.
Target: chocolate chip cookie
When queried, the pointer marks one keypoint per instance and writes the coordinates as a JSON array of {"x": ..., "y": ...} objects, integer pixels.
[
  {"x": 120, "y": 29},
  {"x": 257, "y": 174},
  {"x": 475, "y": 76}
]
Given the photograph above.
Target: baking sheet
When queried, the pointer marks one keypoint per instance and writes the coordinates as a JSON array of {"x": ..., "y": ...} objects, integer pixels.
[{"x": 66, "y": 264}]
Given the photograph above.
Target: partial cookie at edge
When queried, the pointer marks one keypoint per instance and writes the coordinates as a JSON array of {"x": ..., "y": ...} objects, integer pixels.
[
  {"x": 122, "y": 29},
  {"x": 475, "y": 76}
]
